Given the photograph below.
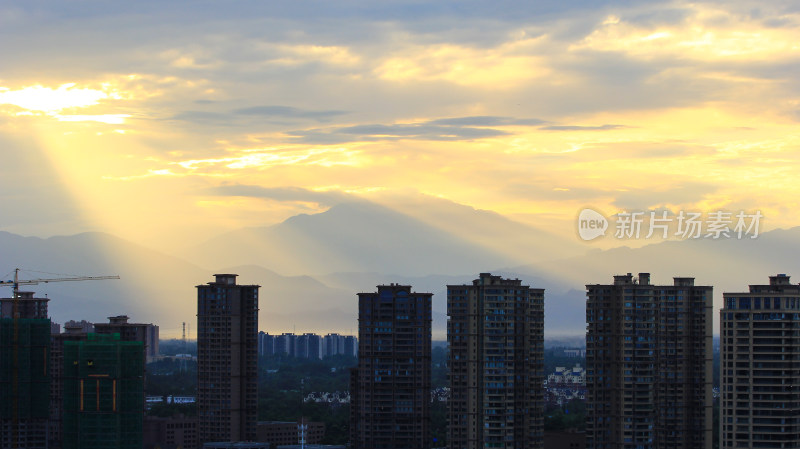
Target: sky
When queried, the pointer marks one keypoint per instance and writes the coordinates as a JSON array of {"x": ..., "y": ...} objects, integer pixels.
[{"x": 167, "y": 123}]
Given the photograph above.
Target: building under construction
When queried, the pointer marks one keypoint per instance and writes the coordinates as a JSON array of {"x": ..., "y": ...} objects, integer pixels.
[
  {"x": 103, "y": 393},
  {"x": 72, "y": 332},
  {"x": 24, "y": 372}
]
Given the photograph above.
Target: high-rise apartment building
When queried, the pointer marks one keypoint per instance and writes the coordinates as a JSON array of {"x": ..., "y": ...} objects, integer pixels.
[
  {"x": 390, "y": 390},
  {"x": 71, "y": 332},
  {"x": 308, "y": 346},
  {"x": 760, "y": 366},
  {"x": 266, "y": 344},
  {"x": 495, "y": 333},
  {"x": 103, "y": 393},
  {"x": 146, "y": 333},
  {"x": 333, "y": 344},
  {"x": 350, "y": 345},
  {"x": 648, "y": 364},
  {"x": 24, "y": 373},
  {"x": 227, "y": 360},
  {"x": 286, "y": 343}
]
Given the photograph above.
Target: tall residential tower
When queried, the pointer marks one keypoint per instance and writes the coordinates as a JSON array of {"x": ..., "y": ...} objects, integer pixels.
[
  {"x": 496, "y": 336},
  {"x": 24, "y": 372},
  {"x": 648, "y": 364},
  {"x": 227, "y": 360},
  {"x": 760, "y": 366},
  {"x": 391, "y": 386}
]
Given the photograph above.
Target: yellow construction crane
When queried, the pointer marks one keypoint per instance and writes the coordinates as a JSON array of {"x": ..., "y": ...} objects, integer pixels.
[{"x": 15, "y": 283}]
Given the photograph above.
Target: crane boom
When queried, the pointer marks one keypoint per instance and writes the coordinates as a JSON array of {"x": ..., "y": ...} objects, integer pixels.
[{"x": 16, "y": 282}]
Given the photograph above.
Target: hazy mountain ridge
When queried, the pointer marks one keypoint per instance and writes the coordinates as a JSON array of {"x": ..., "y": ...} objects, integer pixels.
[
  {"x": 365, "y": 237},
  {"x": 159, "y": 288}
]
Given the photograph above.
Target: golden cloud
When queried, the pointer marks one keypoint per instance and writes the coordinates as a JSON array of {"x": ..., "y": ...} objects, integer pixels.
[
  {"x": 502, "y": 67},
  {"x": 707, "y": 34}
]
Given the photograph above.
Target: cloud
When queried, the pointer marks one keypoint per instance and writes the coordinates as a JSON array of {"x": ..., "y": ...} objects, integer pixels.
[
  {"x": 646, "y": 199},
  {"x": 297, "y": 194},
  {"x": 289, "y": 112},
  {"x": 208, "y": 117},
  {"x": 40, "y": 98},
  {"x": 445, "y": 129},
  {"x": 378, "y": 132},
  {"x": 580, "y": 128},
  {"x": 486, "y": 120}
]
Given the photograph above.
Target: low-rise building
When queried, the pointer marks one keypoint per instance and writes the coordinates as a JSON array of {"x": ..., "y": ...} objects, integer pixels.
[
  {"x": 170, "y": 433},
  {"x": 278, "y": 433}
]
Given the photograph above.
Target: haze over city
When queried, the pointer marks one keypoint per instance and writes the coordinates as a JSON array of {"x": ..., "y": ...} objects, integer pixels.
[{"x": 321, "y": 149}]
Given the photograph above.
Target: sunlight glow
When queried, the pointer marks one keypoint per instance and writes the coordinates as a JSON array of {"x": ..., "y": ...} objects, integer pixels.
[
  {"x": 111, "y": 119},
  {"x": 47, "y": 99}
]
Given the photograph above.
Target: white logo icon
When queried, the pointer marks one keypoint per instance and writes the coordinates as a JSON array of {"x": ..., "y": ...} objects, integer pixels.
[{"x": 591, "y": 224}]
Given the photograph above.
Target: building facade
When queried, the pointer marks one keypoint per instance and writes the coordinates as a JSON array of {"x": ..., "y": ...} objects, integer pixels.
[
  {"x": 286, "y": 343},
  {"x": 760, "y": 366},
  {"x": 176, "y": 432},
  {"x": 285, "y": 433},
  {"x": 103, "y": 393},
  {"x": 266, "y": 344},
  {"x": 648, "y": 364},
  {"x": 495, "y": 332},
  {"x": 333, "y": 344},
  {"x": 308, "y": 346},
  {"x": 71, "y": 333},
  {"x": 145, "y": 333},
  {"x": 391, "y": 386},
  {"x": 227, "y": 360},
  {"x": 350, "y": 345},
  {"x": 24, "y": 372}
]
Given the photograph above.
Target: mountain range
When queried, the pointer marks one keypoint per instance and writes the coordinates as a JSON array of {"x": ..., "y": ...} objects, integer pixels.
[{"x": 310, "y": 267}]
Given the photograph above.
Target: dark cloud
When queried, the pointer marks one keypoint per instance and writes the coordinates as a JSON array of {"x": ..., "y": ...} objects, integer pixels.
[
  {"x": 289, "y": 112},
  {"x": 255, "y": 115},
  {"x": 202, "y": 117},
  {"x": 377, "y": 132},
  {"x": 486, "y": 120},
  {"x": 581, "y": 128},
  {"x": 328, "y": 198}
]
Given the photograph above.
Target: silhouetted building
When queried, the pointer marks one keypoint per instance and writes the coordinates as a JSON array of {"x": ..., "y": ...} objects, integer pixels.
[
  {"x": 71, "y": 333},
  {"x": 86, "y": 327},
  {"x": 28, "y": 307},
  {"x": 648, "y": 364},
  {"x": 103, "y": 393},
  {"x": 266, "y": 344},
  {"x": 496, "y": 336},
  {"x": 24, "y": 374},
  {"x": 565, "y": 440},
  {"x": 308, "y": 346},
  {"x": 391, "y": 387},
  {"x": 286, "y": 343},
  {"x": 227, "y": 360},
  {"x": 281, "y": 433},
  {"x": 350, "y": 345},
  {"x": 146, "y": 333},
  {"x": 237, "y": 445},
  {"x": 760, "y": 366},
  {"x": 177, "y": 432},
  {"x": 335, "y": 344}
]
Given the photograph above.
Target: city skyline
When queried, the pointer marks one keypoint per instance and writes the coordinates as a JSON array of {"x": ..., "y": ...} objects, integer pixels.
[
  {"x": 661, "y": 384},
  {"x": 323, "y": 149}
]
